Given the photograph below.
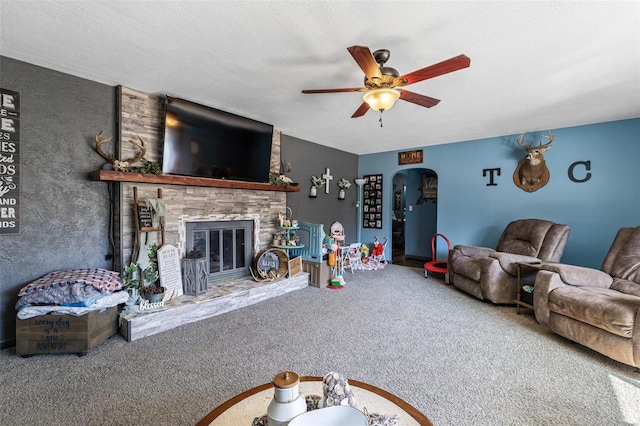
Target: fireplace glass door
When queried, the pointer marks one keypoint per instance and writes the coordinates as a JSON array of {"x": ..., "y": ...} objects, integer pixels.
[{"x": 226, "y": 245}]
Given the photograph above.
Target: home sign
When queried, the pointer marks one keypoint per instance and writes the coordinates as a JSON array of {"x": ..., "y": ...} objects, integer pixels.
[{"x": 410, "y": 157}]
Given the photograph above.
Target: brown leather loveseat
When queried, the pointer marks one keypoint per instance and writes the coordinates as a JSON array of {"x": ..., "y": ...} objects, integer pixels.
[
  {"x": 599, "y": 309},
  {"x": 492, "y": 274}
]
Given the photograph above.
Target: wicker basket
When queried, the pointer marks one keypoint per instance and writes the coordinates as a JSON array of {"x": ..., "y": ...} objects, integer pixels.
[{"x": 270, "y": 265}]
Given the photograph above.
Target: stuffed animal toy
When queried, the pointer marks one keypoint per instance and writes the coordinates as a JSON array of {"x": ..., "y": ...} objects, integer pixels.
[{"x": 378, "y": 249}]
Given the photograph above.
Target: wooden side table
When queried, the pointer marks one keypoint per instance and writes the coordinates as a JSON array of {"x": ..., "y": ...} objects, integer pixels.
[{"x": 523, "y": 268}]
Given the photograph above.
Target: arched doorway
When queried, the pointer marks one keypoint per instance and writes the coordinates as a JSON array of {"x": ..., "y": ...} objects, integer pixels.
[{"x": 414, "y": 215}]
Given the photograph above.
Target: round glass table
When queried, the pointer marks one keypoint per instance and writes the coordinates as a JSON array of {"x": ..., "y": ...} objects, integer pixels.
[{"x": 242, "y": 409}]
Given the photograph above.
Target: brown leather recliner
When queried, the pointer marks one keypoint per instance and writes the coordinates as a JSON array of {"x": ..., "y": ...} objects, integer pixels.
[
  {"x": 599, "y": 309},
  {"x": 492, "y": 274}
]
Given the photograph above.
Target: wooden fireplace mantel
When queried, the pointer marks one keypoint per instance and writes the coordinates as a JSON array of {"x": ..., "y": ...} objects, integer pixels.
[{"x": 115, "y": 176}]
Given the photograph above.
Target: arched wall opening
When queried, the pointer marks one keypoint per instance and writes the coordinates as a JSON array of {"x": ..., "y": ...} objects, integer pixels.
[{"x": 414, "y": 215}]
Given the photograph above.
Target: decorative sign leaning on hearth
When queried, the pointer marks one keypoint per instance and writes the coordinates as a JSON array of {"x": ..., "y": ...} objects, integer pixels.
[
  {"x": 372, "y": 204},
  {"x": 295, "y": 266},
  {"x": 9, "y": 162},
  {"x": 169, "y": 268},
  {"x": 270, "y": 265}
]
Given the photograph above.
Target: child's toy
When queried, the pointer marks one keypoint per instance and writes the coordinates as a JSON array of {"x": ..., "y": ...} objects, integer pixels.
[
  {"x": 335, "y": 261},
  {"x": 378, "y": 249},
  {"x": 377, "y": 259},
  {"x": 354, "y": 257}
]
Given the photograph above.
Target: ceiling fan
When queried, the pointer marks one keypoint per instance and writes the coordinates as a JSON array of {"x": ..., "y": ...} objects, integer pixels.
[{"x": 381, "y": 83}]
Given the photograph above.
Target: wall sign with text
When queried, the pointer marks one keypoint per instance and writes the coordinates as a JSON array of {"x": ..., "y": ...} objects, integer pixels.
[
  {"x": 410, "y": 157},
  {"x": 372, "y": 203},
  {"x": 9, "y": 162}
]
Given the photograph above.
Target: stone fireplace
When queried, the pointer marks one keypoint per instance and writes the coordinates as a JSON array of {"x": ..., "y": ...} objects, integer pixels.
[
  {"x": 192, "y": 204},
  {"x": 189, "y": 206},
  {"x": 142, "y": 114}
]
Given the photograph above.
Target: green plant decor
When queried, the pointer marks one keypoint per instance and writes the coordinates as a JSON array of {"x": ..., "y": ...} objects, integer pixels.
[
  {"x": 130, "y": 276},
  {"x": 343, "y": 183},
  {"x": 153, "y": 251},
  {"x": 316, "y": 181},
  {"x": 147, "y": 167},
  {"x": 280, "y": 180},
  {"x": 150, "y": 274}
]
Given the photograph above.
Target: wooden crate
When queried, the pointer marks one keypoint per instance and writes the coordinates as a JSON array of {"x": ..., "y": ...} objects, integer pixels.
[
  {"x": 62, "y": 334},
  {"x": 319, "y": 273}
]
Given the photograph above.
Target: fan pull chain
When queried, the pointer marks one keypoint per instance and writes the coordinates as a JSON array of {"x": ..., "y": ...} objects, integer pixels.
[{"x": 380, "y": 120}]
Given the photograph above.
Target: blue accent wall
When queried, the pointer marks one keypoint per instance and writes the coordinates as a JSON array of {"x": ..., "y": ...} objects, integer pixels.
[{"x": 471, "y": 212}]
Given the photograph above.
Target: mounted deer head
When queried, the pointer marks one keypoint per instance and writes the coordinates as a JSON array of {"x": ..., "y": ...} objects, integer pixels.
[
  {"x": 124, "y": 164},
  {"x": 532, "y": 173}
]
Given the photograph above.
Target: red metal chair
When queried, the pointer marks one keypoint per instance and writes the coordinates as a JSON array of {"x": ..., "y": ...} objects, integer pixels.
[{"x": 438, "y": 266}]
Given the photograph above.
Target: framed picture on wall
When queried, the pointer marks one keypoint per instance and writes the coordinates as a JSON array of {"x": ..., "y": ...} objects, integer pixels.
[
  {"x": 397, "y": 200},
  {"x": 372, "y": 209}
]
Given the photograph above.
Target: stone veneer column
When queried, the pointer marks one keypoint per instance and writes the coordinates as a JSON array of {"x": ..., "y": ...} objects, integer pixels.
[{"x": 143, "y": 114}]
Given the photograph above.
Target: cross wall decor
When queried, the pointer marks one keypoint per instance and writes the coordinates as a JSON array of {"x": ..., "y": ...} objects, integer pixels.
[{"x": 326, "y": 176}]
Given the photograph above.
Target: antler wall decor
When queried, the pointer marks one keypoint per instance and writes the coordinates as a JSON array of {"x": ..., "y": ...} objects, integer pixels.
[{"x": 121, "y": 165}]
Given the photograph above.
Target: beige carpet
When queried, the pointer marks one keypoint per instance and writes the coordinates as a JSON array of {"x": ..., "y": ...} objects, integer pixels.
[{"x": 457, "y": 359}]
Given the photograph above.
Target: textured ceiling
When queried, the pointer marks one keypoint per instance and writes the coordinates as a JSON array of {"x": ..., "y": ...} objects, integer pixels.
[{"x": 534, "y": 65}]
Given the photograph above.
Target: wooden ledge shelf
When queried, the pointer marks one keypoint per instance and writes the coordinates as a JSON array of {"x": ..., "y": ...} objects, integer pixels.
[{"x": 115, "y": 176}]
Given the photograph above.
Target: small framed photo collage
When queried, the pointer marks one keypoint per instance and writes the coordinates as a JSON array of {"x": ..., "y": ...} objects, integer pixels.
[{"x": 372, "y": 203}]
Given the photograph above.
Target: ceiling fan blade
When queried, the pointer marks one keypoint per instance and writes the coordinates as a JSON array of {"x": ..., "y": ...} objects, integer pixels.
[
  {"x": 418, "y": 99},
  {"x": 362, "y": 110},
  {"x": 346, "y": 89},
  {"x": 444, "y": 67},
  {"x": 365, "y": 60}
]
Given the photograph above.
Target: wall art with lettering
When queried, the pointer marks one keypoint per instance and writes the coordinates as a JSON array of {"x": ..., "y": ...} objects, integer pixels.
[
  {"x": 372, "y": 202},
  {"x": 410, "y": 157},
  {"x": 9, "y": 162},
  {"x": 145, "y": 219}
]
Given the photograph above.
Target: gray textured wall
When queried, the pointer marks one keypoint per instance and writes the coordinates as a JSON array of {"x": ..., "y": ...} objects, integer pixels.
[
  {"x": 64, "y": 217},
  {"x": 311, "y": 159}
]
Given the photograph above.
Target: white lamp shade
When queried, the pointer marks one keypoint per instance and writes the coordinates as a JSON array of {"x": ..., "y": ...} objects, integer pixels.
[{"x": 381, "y": 99}]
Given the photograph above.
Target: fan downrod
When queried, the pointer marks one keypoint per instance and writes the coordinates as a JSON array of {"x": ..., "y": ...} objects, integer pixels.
[{"x": 382, "y": 56}]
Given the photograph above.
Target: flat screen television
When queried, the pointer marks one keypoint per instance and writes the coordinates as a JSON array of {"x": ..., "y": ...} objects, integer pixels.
[{"x": 205, "y": 142}]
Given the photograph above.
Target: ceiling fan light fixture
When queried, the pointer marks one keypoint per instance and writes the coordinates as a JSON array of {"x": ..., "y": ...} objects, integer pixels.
[{"x": 381, "y": 99}]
